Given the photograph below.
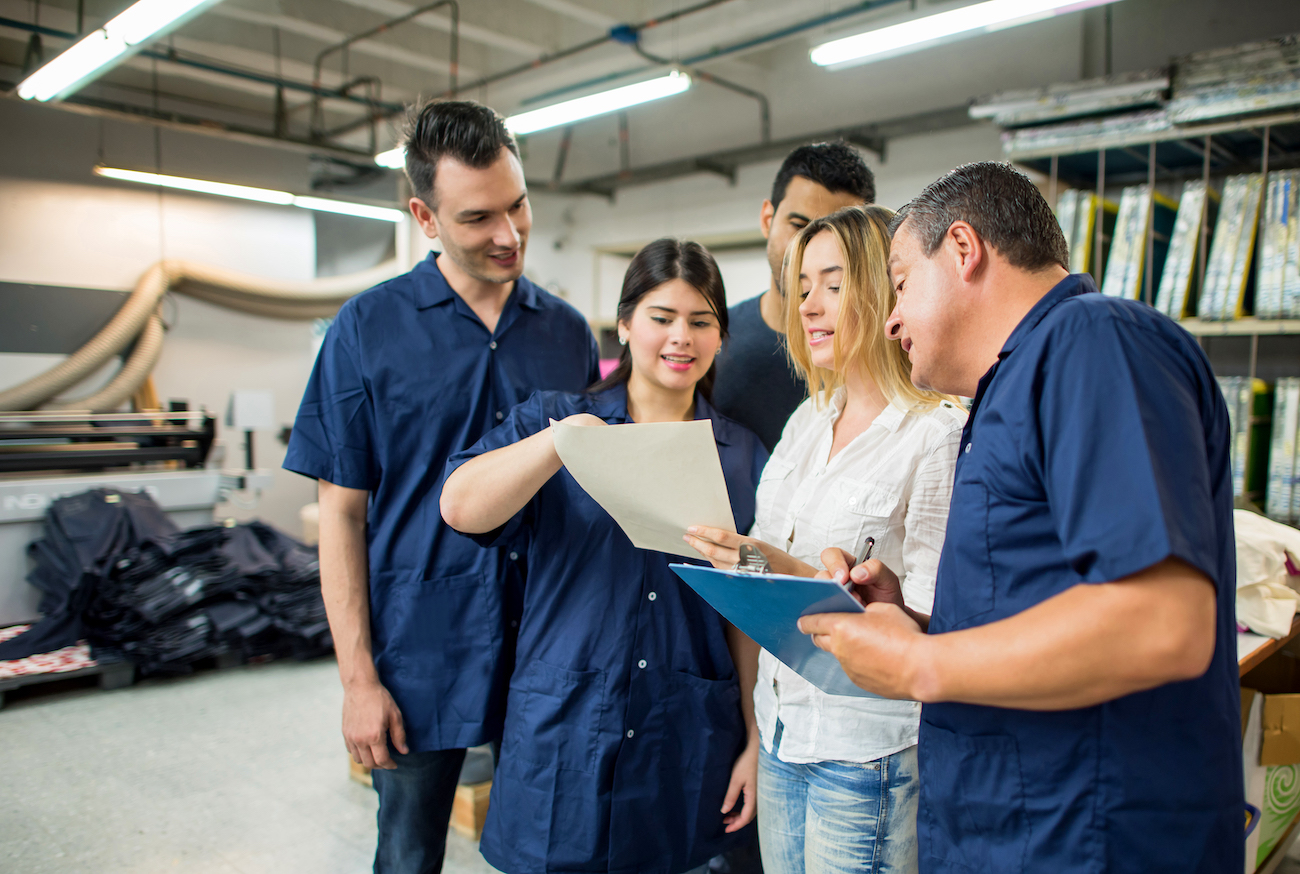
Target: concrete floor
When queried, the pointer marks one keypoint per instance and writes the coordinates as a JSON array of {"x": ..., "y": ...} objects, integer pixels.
[{"x": 240, "y": 771}]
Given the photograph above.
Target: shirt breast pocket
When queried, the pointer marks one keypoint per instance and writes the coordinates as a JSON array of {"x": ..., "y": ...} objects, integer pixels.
[
  {"x": 772, "y": 500},
  {"x": 860, "y": 510},
  {"x": 969, "y": 590}
]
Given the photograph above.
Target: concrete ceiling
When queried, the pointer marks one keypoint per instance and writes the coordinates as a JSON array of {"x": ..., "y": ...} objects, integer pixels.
[{"x": 220, "y": 71}]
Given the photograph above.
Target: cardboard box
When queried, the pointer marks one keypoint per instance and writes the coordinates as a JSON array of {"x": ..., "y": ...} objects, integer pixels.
[
  {"x": 1281, "y": 722},
  {"x": 1270, "y": 709}
]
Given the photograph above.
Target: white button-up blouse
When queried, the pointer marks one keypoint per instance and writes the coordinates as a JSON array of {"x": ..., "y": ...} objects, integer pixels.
[{"x": 892, "y": 482}]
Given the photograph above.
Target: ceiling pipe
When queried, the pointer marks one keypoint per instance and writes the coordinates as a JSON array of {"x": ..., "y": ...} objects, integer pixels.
[
  {"x": 372, "y": 118},
  {"x": 562, "y": 157},
  {"x": 764, "y": 107},
  {"x": 722, "y": 51},
  {"x": 624, "y": 33},
  {"x": 621, "y": 33},
  {"x": 97, "y": 107},
  {"x": 171, "y": 56},
  {"x": 873, "y": 137}
]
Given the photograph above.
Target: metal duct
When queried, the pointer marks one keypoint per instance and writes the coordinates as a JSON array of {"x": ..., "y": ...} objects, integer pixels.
[{"x": 262, "y": 297}]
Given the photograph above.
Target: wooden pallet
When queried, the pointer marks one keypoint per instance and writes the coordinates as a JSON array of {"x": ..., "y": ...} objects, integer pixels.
[
  {"x": 112, "y": 675},
  {"x": 468, "y": 810}
]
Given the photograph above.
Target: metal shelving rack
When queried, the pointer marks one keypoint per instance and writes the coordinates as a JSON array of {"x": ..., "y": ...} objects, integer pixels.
[{"x": 1149, "y": 147}]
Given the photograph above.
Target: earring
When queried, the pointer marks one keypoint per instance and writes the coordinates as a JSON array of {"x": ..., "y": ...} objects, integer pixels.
[{"x": 622, "y": 341}]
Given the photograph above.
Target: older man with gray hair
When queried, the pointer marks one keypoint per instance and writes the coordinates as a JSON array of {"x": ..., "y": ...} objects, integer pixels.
[{"x": 1078, "y": 674}]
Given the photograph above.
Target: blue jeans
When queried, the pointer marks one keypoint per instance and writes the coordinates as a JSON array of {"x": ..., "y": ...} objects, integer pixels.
[
  {"x": 415, "y": 802},
  {"x": 833, "y": 817}
]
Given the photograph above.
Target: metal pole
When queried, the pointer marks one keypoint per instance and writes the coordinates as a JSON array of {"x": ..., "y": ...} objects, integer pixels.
[
  {"x": 1205, "y": 223},
  {"x": 1148, "y": 294},
  {"x": 1052, "y": 180},
  {"x": 1254, "y": 338},
  {"x": 1264, "y": 161},
  {"x": 624, "y": 145},
  {"x": 454, "y": 65},
  {"x": 562, "y": 157},
  {"x": 1100, "y": 217},
  {"x": 764, "y": 108}
]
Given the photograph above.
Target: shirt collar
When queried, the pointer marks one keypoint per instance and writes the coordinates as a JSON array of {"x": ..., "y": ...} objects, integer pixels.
[
  {"x": 1070, "y": 286},
  {"x": 434, "y": 289},
  {"x": 612, "y": 404},
  {"x": 889, "y": 418}
]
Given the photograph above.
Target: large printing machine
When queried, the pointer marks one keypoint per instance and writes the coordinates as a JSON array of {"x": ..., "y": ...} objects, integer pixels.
[{"x": 47, "y": 455}]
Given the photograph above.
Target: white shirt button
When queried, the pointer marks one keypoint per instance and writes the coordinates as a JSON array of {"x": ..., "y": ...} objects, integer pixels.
[
  {"x": 641, "y": 664},
  {"x": 500, "y": 415},
  {"x": 652, "y": 596},
  {"x": 492, "y": 345},
  {"x": 630, "y": 732},
  {"x": 514, "y": 556},
  {"x": 852, "y": 501}
]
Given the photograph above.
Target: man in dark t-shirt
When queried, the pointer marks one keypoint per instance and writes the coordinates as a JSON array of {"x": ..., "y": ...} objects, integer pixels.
[{"x": 755, "y": 384}]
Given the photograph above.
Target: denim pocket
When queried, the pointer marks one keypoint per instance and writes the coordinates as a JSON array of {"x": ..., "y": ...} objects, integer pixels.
[{"x": 553, "y": 716}]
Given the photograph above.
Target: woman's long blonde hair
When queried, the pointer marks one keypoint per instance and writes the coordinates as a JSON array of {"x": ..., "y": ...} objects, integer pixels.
[{"x": 866, "y": 300}]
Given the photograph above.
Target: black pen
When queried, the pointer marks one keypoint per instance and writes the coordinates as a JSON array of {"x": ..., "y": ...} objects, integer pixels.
[{"x": 866, "y": 551}]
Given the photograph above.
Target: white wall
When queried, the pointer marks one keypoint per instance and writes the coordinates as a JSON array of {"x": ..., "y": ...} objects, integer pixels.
[{"x": 61, "y": 225}]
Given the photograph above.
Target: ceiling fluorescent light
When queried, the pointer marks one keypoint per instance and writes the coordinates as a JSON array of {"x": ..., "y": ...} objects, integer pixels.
[
  {"x": 933, "y": 30},
  {"x": 393, "y": 159},
  {"x": 261, "y": 195},
  {"x": 345, "y": 207},
  {"x": 598, "y": 104},
  {"x": 97, "y": 52},
  {"x": 242, "y": 192}
]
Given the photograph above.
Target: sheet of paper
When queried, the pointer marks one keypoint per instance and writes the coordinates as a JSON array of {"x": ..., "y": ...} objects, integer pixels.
[{"x": 655, "y": 479}]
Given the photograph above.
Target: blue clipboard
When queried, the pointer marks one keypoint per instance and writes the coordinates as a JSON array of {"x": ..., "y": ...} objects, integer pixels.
[{"x": 767, "y": 607}]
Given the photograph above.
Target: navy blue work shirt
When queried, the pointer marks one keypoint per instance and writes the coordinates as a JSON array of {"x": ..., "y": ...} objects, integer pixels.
[
  {"x": 407, "y": 375},
  {"x": 1097, "y": 447},
  {"x": 624, "y": 717}
]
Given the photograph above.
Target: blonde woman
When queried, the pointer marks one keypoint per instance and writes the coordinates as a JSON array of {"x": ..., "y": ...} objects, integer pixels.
[{"x": 867, "y": 455}]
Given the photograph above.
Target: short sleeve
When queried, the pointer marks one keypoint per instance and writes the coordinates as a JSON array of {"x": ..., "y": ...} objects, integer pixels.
[
  {"x": 524, "y": 420},
  {"x": 1124, "y": 457},
  {"x": 333, "y": 436},
  {"x": 593, "y": 358},
  {"x": 925, "y": 521}
]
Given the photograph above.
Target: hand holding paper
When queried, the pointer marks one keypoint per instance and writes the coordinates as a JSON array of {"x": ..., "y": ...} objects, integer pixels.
[
  {"x": 722, "y": 548},
  {"x": 655, "y": 479}
]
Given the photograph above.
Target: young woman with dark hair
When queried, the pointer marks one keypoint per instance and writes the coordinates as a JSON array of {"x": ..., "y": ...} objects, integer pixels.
[{"x": 629, "y": 742}]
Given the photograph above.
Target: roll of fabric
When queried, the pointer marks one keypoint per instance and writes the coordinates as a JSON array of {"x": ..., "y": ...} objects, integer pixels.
[{"x": 1267, "y": 591}]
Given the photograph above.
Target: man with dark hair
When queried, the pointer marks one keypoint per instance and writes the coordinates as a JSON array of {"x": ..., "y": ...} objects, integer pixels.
[
  {"x": 412, "y": 371},
  {"x": 755, "y": 385},
  {"x": 1079, "y": 674}
]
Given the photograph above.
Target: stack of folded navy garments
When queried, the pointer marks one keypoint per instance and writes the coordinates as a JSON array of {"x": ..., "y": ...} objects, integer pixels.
[{"x": 114, "y": 570}]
